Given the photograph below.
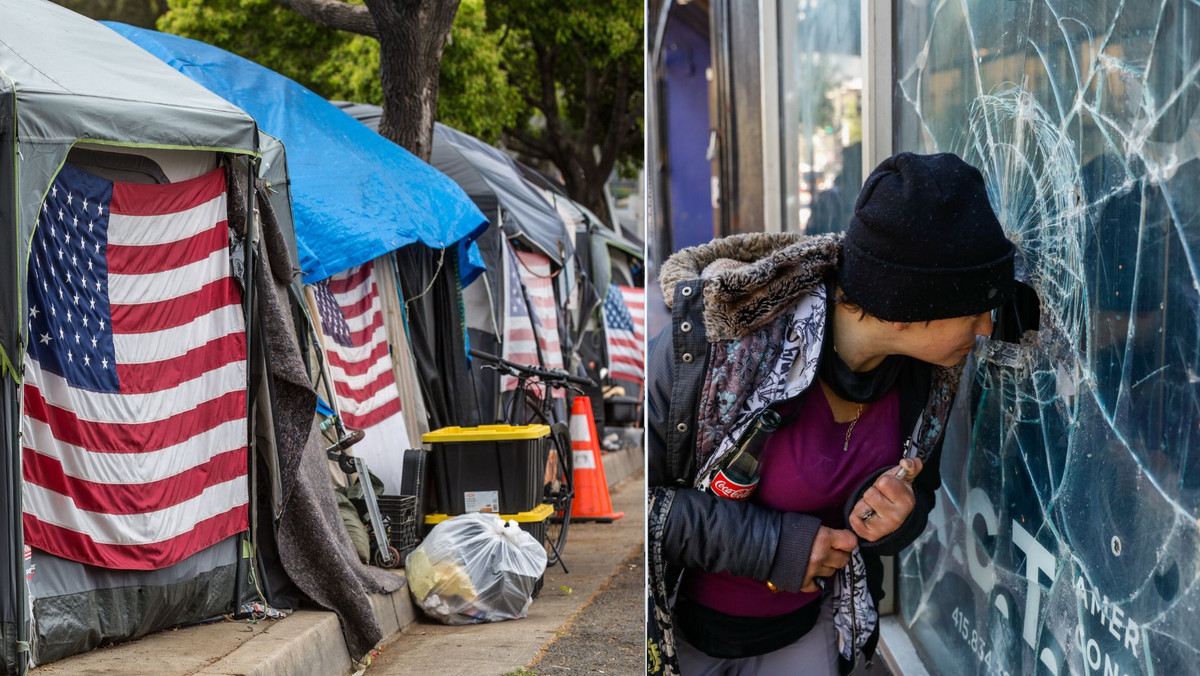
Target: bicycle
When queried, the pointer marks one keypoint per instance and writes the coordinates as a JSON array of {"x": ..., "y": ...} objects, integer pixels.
[{"x": 528, "y": 406}]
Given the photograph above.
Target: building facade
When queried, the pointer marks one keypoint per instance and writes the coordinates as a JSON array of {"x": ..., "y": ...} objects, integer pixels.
[{"x": 1066, "y": 536}]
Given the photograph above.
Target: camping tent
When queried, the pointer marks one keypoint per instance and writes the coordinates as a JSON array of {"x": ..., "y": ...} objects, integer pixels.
[
  {"x": 65, "y": 80},
  {"x": 493, "y": 181},
  {"x": 616, "y": 270},
  {"x": 542, "y": 260},
  {"x": 356, "y": 198},
  {"x": 398, "y": 199},
  {"x": 609, "y": 265},
  {"x": 609, "y": 309}
]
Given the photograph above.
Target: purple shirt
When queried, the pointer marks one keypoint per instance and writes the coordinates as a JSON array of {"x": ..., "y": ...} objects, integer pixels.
[{"x": 803, "y": 469}]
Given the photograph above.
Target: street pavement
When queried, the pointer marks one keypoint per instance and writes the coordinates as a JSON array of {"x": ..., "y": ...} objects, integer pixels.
[
  {"x": 309, "y": 642},
  {"x": 605, "y": 637},
  {"x": 599, "y": 604}
]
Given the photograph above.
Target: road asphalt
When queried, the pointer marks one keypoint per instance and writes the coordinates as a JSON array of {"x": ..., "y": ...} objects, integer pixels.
[{"x": 607, "y": 635}]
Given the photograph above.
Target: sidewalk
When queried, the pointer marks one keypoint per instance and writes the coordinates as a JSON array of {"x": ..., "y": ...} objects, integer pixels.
[
  {"x": 310, "y": 641},
  {"x": 595, "y": 552}
]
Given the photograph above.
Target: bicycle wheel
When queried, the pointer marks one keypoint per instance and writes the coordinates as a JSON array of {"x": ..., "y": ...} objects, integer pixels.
[{"x": 559, "y": 491}]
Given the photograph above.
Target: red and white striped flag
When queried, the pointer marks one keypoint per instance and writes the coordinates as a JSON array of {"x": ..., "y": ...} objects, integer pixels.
[
  {"x": 635, "y": 300},
  {"x": 533, "y": 271},
  {"x": 134, "y": 433},
  {"x": 625, "y": 330},
  {"x": 360, "y": 364}
]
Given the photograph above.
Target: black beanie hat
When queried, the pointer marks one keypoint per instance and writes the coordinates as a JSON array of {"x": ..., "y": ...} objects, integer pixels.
[{"x": 924, "y": 243}]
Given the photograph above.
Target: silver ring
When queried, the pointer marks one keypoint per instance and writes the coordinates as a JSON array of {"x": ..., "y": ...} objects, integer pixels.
[{"x": 867, "y": 515}]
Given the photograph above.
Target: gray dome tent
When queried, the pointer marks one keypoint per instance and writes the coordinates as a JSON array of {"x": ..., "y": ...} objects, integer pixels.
[
  {"x": 65, "y": 81},
  {"x": 495, "y": 182}
]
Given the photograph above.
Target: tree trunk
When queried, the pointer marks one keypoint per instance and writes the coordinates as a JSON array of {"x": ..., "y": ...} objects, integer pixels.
[
  {"x": 412, "y": 36},
  {"x": 594, "y": 200}
]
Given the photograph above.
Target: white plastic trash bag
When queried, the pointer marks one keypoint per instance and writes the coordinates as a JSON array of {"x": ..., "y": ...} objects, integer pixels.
[{"x": 475, "y": 568}]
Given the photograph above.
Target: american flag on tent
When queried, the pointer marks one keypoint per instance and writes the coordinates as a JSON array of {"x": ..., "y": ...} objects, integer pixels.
[
  {"x": 134, "y": 434},
  {"x": 360, "y": 363},
  {"x": 533, "y": 270},
  {"x": 625, "y": 331}
]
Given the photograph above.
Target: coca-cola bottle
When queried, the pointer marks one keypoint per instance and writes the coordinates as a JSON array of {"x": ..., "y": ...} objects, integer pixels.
[{"x": 738, "y": 475}]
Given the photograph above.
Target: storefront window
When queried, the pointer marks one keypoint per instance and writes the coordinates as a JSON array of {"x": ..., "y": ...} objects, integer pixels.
[
  {"x": 821, "y": 75},
  {"x": 1065, "y": 538}
]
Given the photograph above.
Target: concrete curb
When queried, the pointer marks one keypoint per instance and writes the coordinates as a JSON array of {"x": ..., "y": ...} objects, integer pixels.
[
  {"x": 310, "y": 642},
  {"x": 620, "y": 465},
  {"x": 307, "y": 642}
]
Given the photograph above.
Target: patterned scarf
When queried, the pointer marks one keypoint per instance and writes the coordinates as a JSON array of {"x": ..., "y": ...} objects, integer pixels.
[{"x": 778, "y": 361}]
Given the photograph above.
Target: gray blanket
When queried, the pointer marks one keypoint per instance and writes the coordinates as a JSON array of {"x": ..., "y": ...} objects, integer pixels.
[{"x": 313, "y": 545}]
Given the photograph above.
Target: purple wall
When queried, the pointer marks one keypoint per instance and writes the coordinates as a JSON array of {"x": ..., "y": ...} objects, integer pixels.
[{"x": 685, "y": 114}]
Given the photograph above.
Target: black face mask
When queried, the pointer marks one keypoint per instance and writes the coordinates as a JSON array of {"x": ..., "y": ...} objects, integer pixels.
[{"x": 862, "y": 387}]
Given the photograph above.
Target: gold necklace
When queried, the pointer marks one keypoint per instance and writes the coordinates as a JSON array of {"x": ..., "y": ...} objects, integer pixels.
[{"x": 850, "y": 429}]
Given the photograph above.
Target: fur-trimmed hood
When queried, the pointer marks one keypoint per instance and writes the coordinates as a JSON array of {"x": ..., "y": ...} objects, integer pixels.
[{"x": 750, "y": 279}]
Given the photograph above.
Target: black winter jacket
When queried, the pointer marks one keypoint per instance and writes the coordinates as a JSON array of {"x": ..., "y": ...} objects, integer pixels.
[{"x": 689, "y": 528}]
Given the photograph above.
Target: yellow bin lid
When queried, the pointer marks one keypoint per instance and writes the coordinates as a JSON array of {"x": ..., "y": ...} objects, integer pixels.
[
  {"x": 539, "y": 513},
  {"x": 486, "y": 433}
]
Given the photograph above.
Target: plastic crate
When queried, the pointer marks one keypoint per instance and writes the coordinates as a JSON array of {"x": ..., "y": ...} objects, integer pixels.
[
  {"x": 404, "y": 533},
  {"x": 491, "y": 468},
  {"x": 534, "y": 521}
]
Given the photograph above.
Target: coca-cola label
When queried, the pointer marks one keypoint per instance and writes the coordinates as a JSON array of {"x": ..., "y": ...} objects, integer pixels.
[{"x": 730, "y": 489}]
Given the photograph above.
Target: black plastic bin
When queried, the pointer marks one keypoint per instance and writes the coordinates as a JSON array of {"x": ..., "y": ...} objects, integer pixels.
[
  {"x": 622, "y": 410},
  {"x": 491, "y": 468}
]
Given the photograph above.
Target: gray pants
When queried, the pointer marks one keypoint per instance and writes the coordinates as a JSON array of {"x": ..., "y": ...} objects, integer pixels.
[{"x": 814, "y": 654}]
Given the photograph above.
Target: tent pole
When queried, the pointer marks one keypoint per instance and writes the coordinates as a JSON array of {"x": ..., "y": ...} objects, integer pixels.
[
  {"x": 10, "y": 387},
  {"x": 252, "y": 356},
  {"x": 20, "y": 596}
]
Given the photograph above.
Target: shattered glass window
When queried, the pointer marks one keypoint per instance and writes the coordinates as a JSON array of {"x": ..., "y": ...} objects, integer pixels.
[
  {"x": 821, "y": 96},
  {"x": 1066, "y": 537}
]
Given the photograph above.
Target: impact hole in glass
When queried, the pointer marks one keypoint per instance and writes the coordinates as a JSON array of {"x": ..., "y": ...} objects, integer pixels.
[{"x": 1019, "y": 314}]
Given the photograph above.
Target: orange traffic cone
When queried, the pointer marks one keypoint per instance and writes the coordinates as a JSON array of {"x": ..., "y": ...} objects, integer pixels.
[{"x": 592, "y": 502}]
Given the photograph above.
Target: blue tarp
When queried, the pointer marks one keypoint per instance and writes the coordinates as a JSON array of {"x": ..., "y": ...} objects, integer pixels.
[{"x": 355, "y": 194}]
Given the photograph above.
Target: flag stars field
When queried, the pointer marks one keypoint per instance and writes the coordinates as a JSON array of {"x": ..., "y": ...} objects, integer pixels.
[
  {"x": 350, "y": 311},
  {"x": 74, "y": 280},
  {"x": 134, "y": 438}
]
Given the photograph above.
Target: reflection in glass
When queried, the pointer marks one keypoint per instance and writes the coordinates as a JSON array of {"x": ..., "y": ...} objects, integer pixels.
[
  {"x": 1066, "y": 537},
  {"x": 822, "y": 82}
]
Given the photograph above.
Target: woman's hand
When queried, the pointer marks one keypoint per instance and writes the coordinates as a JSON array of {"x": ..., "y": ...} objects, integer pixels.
[
  {"x": 830, "y": 552},
  {"x": 887, "y": 503}
]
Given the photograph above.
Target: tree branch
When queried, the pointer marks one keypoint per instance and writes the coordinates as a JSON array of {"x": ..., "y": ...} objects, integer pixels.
[
  {"x": 549, "y": 107},
  {"x": 590, "y": 93},
  {"x": 617, "y": 127},
  {"x": 534, "y": 103},
  {"x": 336, "y": 15},
  {"x": 532, "y": 146}
]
